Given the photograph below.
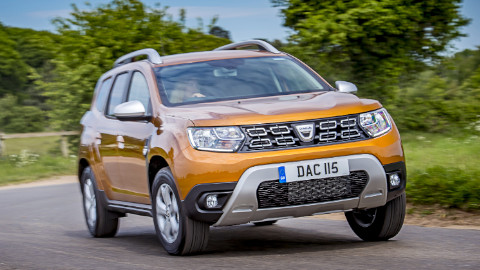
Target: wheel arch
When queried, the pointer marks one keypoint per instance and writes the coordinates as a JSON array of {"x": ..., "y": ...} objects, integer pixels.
[
  {"x": 156, "y": 163},
  {"x": 82, "y": 164}
]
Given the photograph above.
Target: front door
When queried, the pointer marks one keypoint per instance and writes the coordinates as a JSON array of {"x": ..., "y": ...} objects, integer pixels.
[{"x": 132, "y": 153}]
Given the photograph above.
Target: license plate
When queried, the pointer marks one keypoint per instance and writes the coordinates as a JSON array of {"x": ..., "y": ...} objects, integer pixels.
[{"x": 313, "y": 169}]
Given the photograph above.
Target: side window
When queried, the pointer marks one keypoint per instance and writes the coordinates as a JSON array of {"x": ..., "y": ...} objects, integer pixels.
[
  {"x": 103, "y": 94},
  {"x": 116, "y": 96},
  {"x": 139, "y": 90}
]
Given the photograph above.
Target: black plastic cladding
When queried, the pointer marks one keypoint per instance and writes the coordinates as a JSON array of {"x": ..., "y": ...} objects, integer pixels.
[{"x": 275, "y": 194}]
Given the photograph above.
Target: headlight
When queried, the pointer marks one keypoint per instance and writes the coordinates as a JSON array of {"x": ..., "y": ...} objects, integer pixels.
[
  {"x": 376, "y": 123},
  {"x": 218, "y": 139}
]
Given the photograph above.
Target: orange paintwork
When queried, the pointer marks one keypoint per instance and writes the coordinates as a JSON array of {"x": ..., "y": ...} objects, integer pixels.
[{"x": 122, "y": 173}]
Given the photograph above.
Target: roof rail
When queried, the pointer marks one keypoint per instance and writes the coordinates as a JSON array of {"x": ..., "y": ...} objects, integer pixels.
[
  {"x": 262, "y": 45},
  {"x": 152, "y": 56}
]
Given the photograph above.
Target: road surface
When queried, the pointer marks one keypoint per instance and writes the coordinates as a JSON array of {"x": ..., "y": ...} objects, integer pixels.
[{"x": 43, "y": 228}]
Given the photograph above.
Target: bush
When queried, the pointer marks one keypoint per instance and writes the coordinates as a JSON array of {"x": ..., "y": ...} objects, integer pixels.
[
  {"x": 16, "y": 118},
  {"x": 445, "y": 186}
]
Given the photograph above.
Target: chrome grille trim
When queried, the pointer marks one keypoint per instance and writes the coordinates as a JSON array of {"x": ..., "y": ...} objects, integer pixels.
[
  {"x": 285, "y": 140},
  {"x": 328, "y": 136},
  {"x": 348, "y": 134},
  {"x": 332, "y": 130},
  {"x": 349, "y": 122},
  {"x": 253, "y": 132},
  {"x": 260, "y": 143},
  {"x": 326, "y": 125},
  {"x": 279, "y": 130}
]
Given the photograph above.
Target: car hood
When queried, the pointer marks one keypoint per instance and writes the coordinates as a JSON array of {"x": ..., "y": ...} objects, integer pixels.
[{"x": 274, "y": 109}]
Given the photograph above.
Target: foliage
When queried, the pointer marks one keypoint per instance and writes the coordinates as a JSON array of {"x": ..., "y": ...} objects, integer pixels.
[
  {"x": 32, "y": 168},
  {"x": 13, "y": 71},
  {"x": 447, "y": 187},
  {"x": 34, "y": 47},
  {"x": 372, "y": 42},
  {"x": 24, "y": 53},
  {"x": 16, "y": 118},
  {"x": 92, "y": 40},
  {"x": 442, "y": 99},
  {"x": 28, "y": 159},
  {"x": 443, "y": 170},
  {"x": 219, "y": 32}
]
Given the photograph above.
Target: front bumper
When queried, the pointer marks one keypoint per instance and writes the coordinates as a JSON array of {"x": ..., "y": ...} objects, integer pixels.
[{"x": 242, "y": 205}]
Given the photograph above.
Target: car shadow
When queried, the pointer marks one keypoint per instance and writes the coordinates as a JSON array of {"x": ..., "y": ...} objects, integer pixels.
[{"x": 285, "y": 237}]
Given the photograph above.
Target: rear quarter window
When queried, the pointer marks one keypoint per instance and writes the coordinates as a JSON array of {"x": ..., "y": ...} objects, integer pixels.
[
  {"x": 116, "y": 96},
  {"x": 103, "y": 95}
]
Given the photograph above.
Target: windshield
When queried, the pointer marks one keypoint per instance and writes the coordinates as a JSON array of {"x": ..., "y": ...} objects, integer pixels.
[{"x": 237, "y": 78}]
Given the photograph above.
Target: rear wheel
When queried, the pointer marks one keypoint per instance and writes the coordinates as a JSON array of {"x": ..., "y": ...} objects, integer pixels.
[
  {"x": 380, "y": 223},
  {"x": 179, "y": 234},
  {"x": 100, "y": 222}
]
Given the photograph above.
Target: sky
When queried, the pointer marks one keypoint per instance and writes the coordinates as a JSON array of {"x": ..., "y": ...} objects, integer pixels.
[{"x": 246, "y": 19}]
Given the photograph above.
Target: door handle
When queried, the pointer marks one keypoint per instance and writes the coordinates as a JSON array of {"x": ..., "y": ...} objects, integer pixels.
[
  {"x": 98, "y": 138},
  {"x": 120, "y": 142}
]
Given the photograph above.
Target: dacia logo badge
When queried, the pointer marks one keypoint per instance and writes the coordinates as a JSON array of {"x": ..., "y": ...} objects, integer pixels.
[{"x": 306, "y": 132}]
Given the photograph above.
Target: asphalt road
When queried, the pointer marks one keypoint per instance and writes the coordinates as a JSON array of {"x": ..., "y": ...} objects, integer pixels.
[{"x": 44, "y": 228}]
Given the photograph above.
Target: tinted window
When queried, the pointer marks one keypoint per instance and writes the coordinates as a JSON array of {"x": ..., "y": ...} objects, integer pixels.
[
  {"x": 237, "y": 78},
  {"x": 116, "y": 97},
  {"x": 103, "y": 94},
  {"x": 139, "y": 90}
]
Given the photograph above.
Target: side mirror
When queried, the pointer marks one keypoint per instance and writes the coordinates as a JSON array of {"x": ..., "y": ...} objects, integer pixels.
[
  {"x": 131, "y": 110},
  {"x": 346, "y": 87}
]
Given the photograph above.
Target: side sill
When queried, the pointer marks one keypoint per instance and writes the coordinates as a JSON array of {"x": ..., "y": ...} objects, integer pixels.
[{"x": 126, "y": 207}]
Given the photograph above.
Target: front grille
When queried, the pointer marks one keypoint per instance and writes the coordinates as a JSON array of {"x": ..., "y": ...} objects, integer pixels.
[
  {"x": 296, "y": 134},
  {"x": 276, "y": 194}
]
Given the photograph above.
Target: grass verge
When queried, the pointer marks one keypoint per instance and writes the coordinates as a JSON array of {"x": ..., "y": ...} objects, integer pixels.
[
  {"x": 29, "y": 159},
  {"x": 443, "y": 170},
  {"x": 12, "y": 171}
]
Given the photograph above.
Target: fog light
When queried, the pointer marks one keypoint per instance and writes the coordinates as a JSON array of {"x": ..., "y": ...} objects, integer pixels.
[
  {"x": 212, "y": 201},
  {"x": 394, "y": 180}
]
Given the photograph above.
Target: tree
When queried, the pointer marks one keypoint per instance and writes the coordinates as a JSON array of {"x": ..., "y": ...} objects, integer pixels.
[
  {"x": 373, "y": 42},
  {"x": 15, "y": 118},
  {"x": 219, "y": 32},
  {"x": 13, "y": 71},
  {"x": 91, "y": 40}
]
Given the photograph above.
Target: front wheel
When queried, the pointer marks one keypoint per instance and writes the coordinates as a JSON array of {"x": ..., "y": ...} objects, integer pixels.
[
  {"x": 179, "y": 234},
  {"x": 381, "y": 223}
]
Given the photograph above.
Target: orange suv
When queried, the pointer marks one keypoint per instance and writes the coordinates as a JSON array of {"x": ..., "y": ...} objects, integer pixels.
[{"x": 241, "y": 134}]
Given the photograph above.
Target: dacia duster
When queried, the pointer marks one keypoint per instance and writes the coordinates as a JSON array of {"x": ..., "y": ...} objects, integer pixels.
[{"x": 241, "y": 134}]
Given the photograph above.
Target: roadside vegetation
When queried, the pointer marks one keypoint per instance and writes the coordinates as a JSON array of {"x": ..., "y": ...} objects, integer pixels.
[
  {"x": 29, "y": 159},
  {"x": 394, "y": 51},
  {"x": 443, "y": 170}
]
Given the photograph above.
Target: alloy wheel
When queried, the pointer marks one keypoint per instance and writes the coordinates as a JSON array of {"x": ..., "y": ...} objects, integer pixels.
[
  {"x": 365, "y": 218},
  {"x": 90, "y": 202},
  {"x": 167, "y": 213}
]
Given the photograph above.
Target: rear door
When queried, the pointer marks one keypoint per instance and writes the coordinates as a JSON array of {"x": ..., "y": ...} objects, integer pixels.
[{"x": 107, "y": 138}]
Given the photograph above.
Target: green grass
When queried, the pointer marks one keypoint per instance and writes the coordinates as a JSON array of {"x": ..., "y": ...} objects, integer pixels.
[
  {"x": 423, "y": 150},
  {"x": 30, "y": 159},
  {"x": 40, "y": 146},
  {"x": 46, "y": 166},
  {"x": 443, "y": 170}
]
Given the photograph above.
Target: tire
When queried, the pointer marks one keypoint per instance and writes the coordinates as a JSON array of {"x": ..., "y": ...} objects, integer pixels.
[
  {"x": 265, "y": 223},
  {"x": 378, "y": 224},
  {"x": 179, "y": 234},
  {"x": 100, "y": 222}
]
